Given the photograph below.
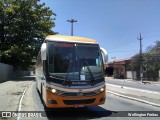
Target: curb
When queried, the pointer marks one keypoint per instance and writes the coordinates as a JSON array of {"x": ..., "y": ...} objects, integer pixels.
[{"x": 136, "y": 99}]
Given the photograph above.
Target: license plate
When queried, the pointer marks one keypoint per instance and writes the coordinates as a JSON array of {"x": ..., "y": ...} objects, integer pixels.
[{"x": 78, "y": 105}]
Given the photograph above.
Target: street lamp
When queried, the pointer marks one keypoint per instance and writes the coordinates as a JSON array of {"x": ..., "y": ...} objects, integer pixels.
[
  {"x": 72, "y": 21},
  {"x": 113, "y": 58}
]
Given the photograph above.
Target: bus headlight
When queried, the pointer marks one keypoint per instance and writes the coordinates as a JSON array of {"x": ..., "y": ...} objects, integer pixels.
[
  {"x": 54, "y": 90},
  {"x": 101, "y": 89}
]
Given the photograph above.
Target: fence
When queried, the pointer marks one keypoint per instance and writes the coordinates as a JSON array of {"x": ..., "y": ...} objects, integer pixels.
[{"x": 150, "y": 76}]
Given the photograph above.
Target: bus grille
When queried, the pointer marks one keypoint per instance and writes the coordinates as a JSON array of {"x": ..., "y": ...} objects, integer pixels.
[
  {"x": 73, "y": 102},
  {"x": 74, "y": 94}
]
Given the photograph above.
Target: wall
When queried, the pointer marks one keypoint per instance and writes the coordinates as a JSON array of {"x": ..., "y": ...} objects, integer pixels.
[
  {"x": 119, "y": 71},
  {"x": 18, "y": 74},
  {"x": 129, "y": 75},
  {"x": 6, "y": 72}
]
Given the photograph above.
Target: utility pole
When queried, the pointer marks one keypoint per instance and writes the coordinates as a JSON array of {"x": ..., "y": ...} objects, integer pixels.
[
  {"x": 141, "y": 57},
  {"x": 72, "y": 21}
]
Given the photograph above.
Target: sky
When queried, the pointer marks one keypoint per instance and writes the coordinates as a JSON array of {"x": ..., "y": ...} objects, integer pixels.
[{"x": 115, "y": 24}]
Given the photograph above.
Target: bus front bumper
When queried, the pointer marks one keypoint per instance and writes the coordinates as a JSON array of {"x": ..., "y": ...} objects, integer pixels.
[{"x": 55, "y": 101}]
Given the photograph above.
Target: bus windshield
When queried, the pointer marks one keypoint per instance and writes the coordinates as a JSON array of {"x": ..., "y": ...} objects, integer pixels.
[{"x": 74, "y": 61}]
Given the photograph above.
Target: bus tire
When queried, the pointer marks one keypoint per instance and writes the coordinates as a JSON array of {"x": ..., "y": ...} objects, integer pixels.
[{"x": 41, "y": 92}]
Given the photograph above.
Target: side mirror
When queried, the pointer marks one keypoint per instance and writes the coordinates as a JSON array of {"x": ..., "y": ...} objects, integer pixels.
[
  {"x": 104, "y": 55},
  {"x": 43, "y": 51}
]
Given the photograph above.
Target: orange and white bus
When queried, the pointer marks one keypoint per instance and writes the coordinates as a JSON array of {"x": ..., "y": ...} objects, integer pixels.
[{"x": 70, "y": 72}]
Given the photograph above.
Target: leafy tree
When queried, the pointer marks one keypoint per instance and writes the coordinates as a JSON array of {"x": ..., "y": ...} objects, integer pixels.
[
  {"x": 152, "y": 57},
  {"x": 151, "y": 61},
  {"x": 23, "y": 26},
  {"x": 135, "y": 62}
]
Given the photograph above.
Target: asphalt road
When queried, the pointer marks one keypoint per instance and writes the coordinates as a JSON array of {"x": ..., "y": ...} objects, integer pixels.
[
  {"x": 138, "y": 84},
  {"x": 114, "y": 106}
]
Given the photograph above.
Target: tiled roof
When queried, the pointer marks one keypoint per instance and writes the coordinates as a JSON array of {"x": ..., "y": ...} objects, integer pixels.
[{"x": 121, "y": 60}]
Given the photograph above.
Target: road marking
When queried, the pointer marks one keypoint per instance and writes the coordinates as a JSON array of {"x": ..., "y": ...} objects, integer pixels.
[
  {"x": 136, "y": 99},
  {"x": 20, "y": 102}
]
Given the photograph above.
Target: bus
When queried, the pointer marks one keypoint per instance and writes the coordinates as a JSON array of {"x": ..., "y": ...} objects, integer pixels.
[{"x": 70, "y": 72}]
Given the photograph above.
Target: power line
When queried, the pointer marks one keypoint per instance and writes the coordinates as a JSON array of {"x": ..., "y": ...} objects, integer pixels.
[
  {"x": 123, "y": 51},
  {"x": 153, "y": 31}
]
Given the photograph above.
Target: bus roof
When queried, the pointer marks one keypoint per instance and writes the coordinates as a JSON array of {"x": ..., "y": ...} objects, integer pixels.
[{"x": 70, "y": 39}]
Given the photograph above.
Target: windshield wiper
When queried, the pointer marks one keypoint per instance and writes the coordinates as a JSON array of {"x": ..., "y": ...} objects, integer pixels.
[
  {"x": 89, "y": 70},
  {"x": 68, "y": 69}
]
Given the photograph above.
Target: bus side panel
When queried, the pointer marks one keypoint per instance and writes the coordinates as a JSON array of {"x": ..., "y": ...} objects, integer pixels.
[{"x": 39, "y": 77}]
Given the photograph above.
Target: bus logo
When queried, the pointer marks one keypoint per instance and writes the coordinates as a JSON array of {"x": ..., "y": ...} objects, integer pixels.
[{"x": 80, "y": 93}]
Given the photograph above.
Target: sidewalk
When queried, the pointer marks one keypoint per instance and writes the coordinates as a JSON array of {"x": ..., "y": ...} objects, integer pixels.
[{"x": 11, "y": 92}]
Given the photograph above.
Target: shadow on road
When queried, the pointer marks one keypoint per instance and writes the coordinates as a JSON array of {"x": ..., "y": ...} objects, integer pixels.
[
  {"x": 91, "y": 112},
  {"x": 77, "y": 113},
  {"x": 24, "y": 78}
]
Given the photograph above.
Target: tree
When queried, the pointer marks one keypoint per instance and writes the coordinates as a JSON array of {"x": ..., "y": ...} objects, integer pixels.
[
  {"x": 23, "y": 26},
  {"x": 152, "y": 57},
  {"x": 151, "y": 61},
  {"x": 135, "y": 62}
]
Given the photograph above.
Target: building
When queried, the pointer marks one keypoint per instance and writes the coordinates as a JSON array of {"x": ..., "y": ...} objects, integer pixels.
[{"x": 118, "y": 68}]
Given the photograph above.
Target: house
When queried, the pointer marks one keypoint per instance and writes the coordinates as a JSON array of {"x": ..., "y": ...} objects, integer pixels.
[{"x": 118, "y": 68}]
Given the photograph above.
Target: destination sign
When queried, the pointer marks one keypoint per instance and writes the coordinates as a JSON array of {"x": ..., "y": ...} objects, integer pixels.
[{"x": 63, "y": 45}]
